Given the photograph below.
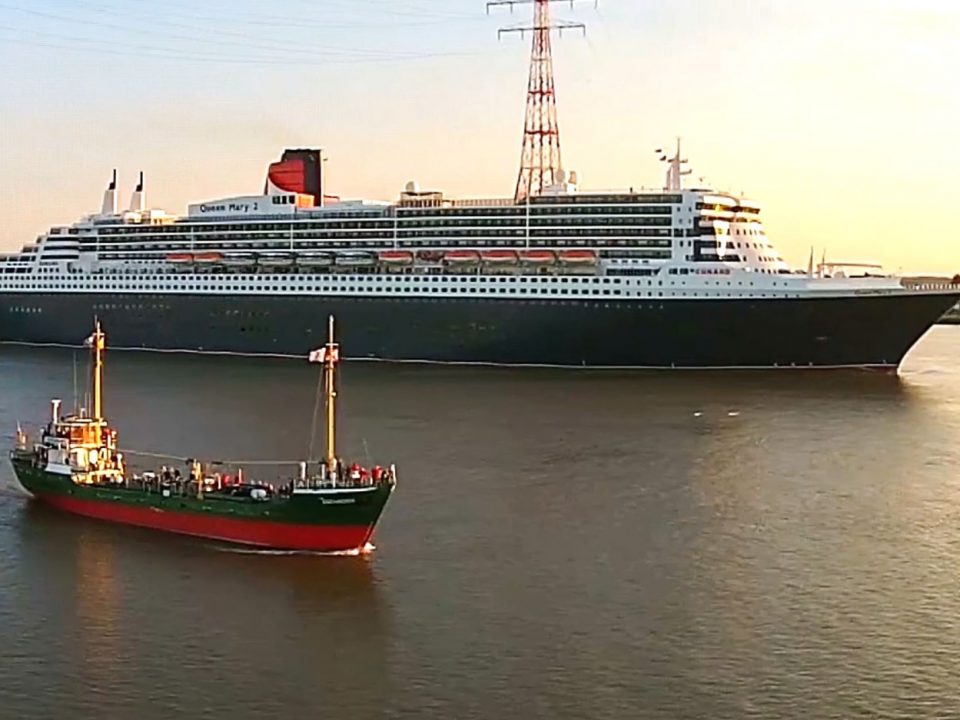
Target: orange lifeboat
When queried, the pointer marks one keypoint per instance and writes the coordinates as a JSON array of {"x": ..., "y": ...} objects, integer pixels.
[
  {"x": 430, "y": 256},
  {"x": 462, "y": 257},
  {"x": 208, "y": 257},
  {"x": 499, "y": 257},
  {"x": 396, "y": 257},
  {"x": 180, "y": 258},
  {"x": 578, "y": 257},
  {"x": 538, "y": 257}
]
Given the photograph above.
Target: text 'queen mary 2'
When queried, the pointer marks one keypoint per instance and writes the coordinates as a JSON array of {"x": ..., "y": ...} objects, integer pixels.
[{"x": 672, "y": 278}]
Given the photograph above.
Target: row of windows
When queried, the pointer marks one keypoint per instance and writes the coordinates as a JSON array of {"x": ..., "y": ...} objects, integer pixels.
[
  {"x": 381, "y": 219},
  {"x": 244, "y": 228},
  {"x": 299, "y": 282},
  {"x": 641, "y": 272},
  {"x": 619, "y": 198},
  {"x": 557, "y": 215},
  {"x": 711, "y": 257},
  {"x": 394, "y": 280},
  {"x": 431, "y": 290},
  {"x": 215, "y": 244},
  {"x": 521, "y": 221},
  {"x": 406, "y": 230}
]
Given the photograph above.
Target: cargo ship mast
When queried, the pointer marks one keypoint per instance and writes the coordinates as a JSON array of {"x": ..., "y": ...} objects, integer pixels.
[
  {"x": 331, "y": 356},
  {"x": 97, "y": 343}
]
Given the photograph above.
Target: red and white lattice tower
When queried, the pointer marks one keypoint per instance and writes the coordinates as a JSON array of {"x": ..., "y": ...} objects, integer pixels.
[{"x": 540, "y": 162}]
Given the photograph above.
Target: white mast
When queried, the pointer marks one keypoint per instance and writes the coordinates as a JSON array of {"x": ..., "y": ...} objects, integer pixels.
[{"x": 675, "y": 171}]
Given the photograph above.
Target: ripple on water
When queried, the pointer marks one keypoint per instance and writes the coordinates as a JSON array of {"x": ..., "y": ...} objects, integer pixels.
[{"x": 611, "y": 545}]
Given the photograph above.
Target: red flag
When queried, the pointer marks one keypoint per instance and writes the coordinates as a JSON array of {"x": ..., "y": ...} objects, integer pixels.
[{"x": 320, "y": 355}]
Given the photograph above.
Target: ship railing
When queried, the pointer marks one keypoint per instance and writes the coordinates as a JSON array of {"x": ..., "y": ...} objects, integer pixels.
[
  {"x": 347, "y": 481},
  {"x": 480, "y": 202},
  {"x": 931, "y": 286},
  {"x": 343, "y": 484}
]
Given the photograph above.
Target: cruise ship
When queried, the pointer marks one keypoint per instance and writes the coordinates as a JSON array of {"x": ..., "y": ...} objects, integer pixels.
[{"x": 669, "y": 278}]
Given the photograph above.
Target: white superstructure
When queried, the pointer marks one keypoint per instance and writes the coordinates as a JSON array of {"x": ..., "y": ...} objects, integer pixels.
[{"x": 672, "y": 243}]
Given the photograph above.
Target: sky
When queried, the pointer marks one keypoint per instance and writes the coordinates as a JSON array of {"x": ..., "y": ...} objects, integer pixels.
[{"x": 840, "y": 117}]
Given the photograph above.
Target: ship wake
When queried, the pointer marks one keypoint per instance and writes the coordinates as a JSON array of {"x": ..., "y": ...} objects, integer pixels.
[{"x": 355, "y": 552}]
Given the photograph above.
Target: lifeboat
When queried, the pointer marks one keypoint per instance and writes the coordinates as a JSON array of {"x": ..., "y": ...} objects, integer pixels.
[
  {"x": 180, "y": 258},
  {"x": 461, "y": 257},
  {"x": 396, "y": 257},
  {"x": 355, "y": 259},
  {"x": 538, "y": 257},
  {"x": 578, "y": 257},
  {"x": 499, "y": 257},
  {"x": 315, "y": 260},
  {"x": 238, "y": 261},
  {"x": 276, "y": 260},
  {"x": 208, "y": 258},
  {"x": 429, "y": 256}
]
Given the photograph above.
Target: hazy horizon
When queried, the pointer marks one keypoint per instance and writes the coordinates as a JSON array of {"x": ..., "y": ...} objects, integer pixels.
[{"x": 839, "y": 118}]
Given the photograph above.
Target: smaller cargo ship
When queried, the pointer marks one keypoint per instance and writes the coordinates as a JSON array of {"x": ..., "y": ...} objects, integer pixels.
[{"x": 76, "y": 465}]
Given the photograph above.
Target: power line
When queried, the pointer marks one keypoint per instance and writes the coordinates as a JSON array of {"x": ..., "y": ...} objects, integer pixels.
[
  {"x": 140, "y": 51},
  {"x": 243, "y": 41},
  {"x": 232, "y": 463}
]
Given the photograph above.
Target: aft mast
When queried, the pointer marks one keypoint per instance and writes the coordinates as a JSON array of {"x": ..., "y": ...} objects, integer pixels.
[
  {"x": 675, "y": 169},
  {"x": 331, "y": 356}
]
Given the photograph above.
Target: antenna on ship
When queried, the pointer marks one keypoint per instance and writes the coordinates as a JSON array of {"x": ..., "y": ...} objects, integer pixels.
[
  {"x": 675, "y": 171},
  {"x": 540, "y": 162}
]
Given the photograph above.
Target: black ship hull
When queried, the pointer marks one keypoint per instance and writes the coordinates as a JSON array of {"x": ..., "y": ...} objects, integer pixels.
[{"x": 873, "y": 331}]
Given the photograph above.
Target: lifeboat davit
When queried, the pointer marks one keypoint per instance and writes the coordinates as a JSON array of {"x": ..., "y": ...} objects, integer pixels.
[
  {"x": 429, "y": 256},
  {"x": 462, "y": 257},
  {"x": 499, "y": 257},
  {"x": 355, "y": 259},
  {"x": 396, "y": 257},
  {"x": 180, "y": 258},
  {"x": 315, "y": 260},
  {"x": 538, "y": 257},
  {"x": 278, "y": 260},
  {"x": 578, "y": 257},
  {"x": 208, "y": 258},
  {"x": 241, "y": 261}
]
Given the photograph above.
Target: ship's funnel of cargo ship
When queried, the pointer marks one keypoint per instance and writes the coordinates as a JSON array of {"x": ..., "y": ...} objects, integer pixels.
[{"x": 298, "y": 171}]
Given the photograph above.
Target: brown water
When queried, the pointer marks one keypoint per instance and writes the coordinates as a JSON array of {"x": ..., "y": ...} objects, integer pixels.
[{"x": 561, "y": 545}]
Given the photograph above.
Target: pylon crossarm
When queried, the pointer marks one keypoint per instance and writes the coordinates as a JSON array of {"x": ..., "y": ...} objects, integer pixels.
[{"x": 559, "y": 27}]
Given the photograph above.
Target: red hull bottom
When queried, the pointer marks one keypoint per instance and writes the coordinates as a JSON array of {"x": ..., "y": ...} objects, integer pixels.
[{"x": 255, "y": 533}]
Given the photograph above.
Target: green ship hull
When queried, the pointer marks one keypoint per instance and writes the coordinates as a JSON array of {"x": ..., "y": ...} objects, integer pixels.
[{"x": 333, "y": 520}]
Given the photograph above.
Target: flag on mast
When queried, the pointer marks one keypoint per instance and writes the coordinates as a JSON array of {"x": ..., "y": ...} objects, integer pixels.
[{"x": 320, "y": 355}]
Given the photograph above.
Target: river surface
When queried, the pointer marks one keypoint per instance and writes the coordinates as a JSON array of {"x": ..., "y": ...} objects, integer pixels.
[{"x": 562, "y": 544}]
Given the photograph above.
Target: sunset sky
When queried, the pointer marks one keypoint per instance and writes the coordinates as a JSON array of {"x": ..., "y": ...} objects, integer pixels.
[{"x": 841, "y": 117}]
